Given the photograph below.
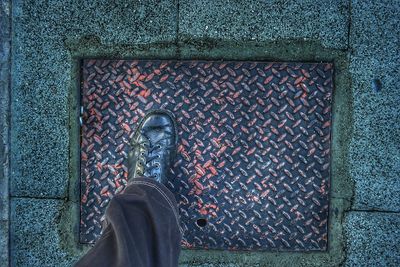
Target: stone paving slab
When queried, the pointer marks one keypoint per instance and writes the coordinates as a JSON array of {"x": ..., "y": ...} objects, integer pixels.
[
  {"x": 42, "y": 155},
  {"x": 373, "y": 239},
  {"x": 42, "y": 70},
  {"x": 323, "y": 20},
  {"x": 4, "y": 242},
  {"x": 375, "y": 149},
  {"x": 35, "y": 240}
]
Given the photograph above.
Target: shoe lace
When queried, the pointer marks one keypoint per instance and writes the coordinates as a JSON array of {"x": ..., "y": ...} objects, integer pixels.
[{"x": 147, "y": 157}]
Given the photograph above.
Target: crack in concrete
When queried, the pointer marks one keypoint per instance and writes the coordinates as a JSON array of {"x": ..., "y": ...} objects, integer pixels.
[{"x": 38, "y": 198}]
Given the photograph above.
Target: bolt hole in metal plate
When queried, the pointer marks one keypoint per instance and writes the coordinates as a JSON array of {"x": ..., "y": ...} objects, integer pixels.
[
  {"x": 201, "y": 222},
  {"x": 253, "y": 165}
]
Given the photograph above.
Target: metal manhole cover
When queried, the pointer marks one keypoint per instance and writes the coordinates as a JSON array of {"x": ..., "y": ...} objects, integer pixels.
[{"x": 253, "y": 164}]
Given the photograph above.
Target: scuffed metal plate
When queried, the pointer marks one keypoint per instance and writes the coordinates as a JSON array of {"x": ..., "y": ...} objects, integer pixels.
[{"x": 253, "y": 164}]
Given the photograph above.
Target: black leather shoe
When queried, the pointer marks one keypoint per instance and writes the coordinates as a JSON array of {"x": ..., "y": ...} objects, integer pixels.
[{"x": 153, "y": 146}]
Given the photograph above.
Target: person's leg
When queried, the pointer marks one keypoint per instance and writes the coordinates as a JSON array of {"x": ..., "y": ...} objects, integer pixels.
[
  {"x": 142, "y": 223},
  {"x": 142, "y": 229}
]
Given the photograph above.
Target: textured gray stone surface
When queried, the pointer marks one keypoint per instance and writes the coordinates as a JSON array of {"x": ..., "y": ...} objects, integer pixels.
[
  {"x": 5, "y": 40},
  {"x": 42, "y": 155},
  {"x": 42, "y": 70},
  {"x": 36, "y": 238},
  {"x": 325, "y": 21},
  {"x": 375, "y": 148},
  {"x": 214, "y": 265},
  {"x": 46, "y": 35},
  {"x": 4, "y": 243},
  {"x": 373, "y": 239}
]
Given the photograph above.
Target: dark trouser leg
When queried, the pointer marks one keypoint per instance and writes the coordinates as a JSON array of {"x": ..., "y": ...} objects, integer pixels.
[{"x": 142, "y": 229}]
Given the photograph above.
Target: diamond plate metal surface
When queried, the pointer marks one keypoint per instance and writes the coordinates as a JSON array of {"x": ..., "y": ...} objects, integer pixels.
[{"x": 253, "y": 164}]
